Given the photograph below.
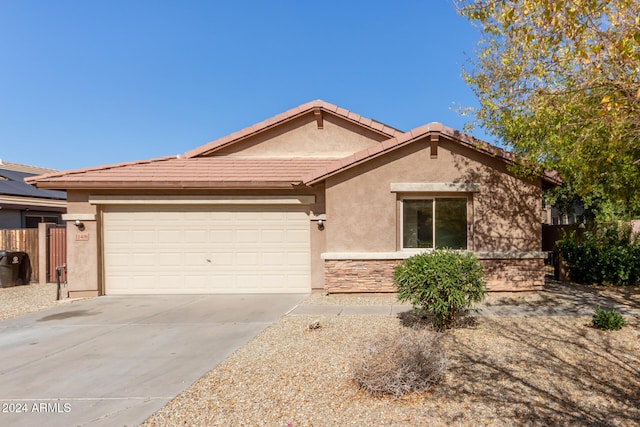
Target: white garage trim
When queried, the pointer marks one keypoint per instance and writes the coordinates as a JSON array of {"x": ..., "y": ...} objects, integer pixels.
[
  {"x": 80, "y": 216},
  {"x": 201, "y": 200},
  {"x": 178, "y": 249}
]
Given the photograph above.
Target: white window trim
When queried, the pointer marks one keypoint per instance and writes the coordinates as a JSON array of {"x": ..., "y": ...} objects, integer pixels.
[{"x": 435, "y": 187}]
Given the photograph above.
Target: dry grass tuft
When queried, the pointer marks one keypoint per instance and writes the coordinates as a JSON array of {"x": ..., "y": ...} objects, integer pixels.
[{"x": 399, "y": 364}]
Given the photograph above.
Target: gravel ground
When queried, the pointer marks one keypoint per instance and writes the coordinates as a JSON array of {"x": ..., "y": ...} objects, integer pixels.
[
  {"x": 19, "y": 300},
  {"x": 501, "y": 371}
]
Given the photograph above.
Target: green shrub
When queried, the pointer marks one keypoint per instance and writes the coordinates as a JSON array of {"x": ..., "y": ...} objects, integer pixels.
[
  {"x": 606, "y": 254},
  {"x": 443, "y": 283},
  {"x": 411, "y": 361},
  {"x": 610, "y": 320}
]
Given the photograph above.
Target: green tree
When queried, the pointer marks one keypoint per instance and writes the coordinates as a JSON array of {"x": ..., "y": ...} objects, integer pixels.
[{"x": 558, "y": 83}]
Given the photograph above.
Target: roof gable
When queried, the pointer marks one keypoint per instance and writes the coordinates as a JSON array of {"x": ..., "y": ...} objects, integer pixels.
[
  {"x": 318, "y": 112},
  {"x": 433, "y": 131}
]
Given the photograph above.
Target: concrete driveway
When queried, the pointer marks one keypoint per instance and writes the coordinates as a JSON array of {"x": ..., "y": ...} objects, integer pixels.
[{"x": 113, "y": 361}]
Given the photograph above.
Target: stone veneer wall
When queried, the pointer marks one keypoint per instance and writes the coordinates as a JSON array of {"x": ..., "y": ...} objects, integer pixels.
[
  {"x": 359, "y": 275},
  {"x": 355, "y": 276},
  {"x": 513, "y": 274}
]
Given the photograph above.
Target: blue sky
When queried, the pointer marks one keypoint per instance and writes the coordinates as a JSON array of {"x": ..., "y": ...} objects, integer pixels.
[{"x": 86, "y": 83}]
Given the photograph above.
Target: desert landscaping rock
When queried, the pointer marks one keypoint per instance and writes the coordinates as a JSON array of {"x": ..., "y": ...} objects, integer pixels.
[
  {"x": 19, "y": 300},
  {"x": 502, "y": 371},
  {"x": 517, "y": 369}
]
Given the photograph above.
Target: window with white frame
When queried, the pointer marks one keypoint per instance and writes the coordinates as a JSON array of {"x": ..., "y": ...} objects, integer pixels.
[{"x": 438, "y": 222}]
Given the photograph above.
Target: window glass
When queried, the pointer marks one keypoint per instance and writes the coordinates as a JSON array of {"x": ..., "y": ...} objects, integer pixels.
[
  {"x": 447, "y": 217},
  {"x": 32, "y": 221},
  {"x": 451, "y": 223},
  {"x": 417, "y": 230}
]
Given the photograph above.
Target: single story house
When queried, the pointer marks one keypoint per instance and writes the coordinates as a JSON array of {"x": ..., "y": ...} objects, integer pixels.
[
  {"x": 315, "y": 198},
  {"x": 22, "y": 205}
]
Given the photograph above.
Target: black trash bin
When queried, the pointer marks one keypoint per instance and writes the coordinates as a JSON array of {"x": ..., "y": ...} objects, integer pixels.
[
  {"x": 24, "y": 269},
  {"x": 8, "y": 269},
  {"x": 15, "y": 268}
]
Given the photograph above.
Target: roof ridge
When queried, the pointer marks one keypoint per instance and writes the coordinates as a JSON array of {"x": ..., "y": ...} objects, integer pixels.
[{"x": 300, "y": 110}]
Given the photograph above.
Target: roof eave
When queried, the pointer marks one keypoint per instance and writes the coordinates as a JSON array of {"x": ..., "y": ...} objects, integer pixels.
[
  {"x": 37, "y": 179},
  {"x": 169, "y": 185}
]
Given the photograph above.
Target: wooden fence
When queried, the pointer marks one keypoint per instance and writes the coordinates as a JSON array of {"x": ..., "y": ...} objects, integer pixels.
[
  {"x": 57, "y": 247},
  {"x": 23, "y": 240}
]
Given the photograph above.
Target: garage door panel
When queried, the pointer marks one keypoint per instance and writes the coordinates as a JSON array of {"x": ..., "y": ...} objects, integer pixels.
[
  {"x": 193, "y": 259},
  {"x": 121, "y": 259},
  {"x": 200, "y": 249},
  {"x": 251, "y": 236},
  {"x": 169, "y": 258},
  {"x": 220, "y": 235},
  {"x": 297, "y": 259},
  {"x": 144, "y": 259},
  {"x": 220, "y": 260},
  {"x": 299, "y": 236},
  {"x": 273, "y": 236},
  {"x": 148, "y": 282},
  {"x": 273, "y": 259},
  {"x": 248, "y": 281},
  {"x": 143, "y": 236},
  {"x": 196, "y": 236},
  {"x": 169, "y": 236},
  {"x": 247, "y": 259},
  {"x": 118, "y": 236}
]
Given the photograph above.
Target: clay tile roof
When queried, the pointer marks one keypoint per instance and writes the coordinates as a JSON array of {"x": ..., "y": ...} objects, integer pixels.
[
  {"x": 225, "y": 141},
  {"x": 400, "y": 140},
  {"x": 204, "y": 172},
  {"x": 197, "y": 171}
]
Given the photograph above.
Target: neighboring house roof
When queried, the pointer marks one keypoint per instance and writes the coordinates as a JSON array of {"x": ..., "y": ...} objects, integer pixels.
[
  {"x": 17, "y": 167},
  {"x": 12, "y": 183},
  {"x": 318, "y": 106},
  {"x": 199, "y": 169}
]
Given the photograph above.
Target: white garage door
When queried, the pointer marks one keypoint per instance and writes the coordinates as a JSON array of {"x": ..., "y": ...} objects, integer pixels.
[{"x": 205, "y": 249}]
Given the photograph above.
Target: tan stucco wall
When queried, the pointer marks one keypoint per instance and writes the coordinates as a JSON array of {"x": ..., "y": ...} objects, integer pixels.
[
  {"x": 83, "y": 267},
  {"x": 318, "y": 238},
  {"x": 302, "y": 138},
  {"x": 362, "y": 211}
]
